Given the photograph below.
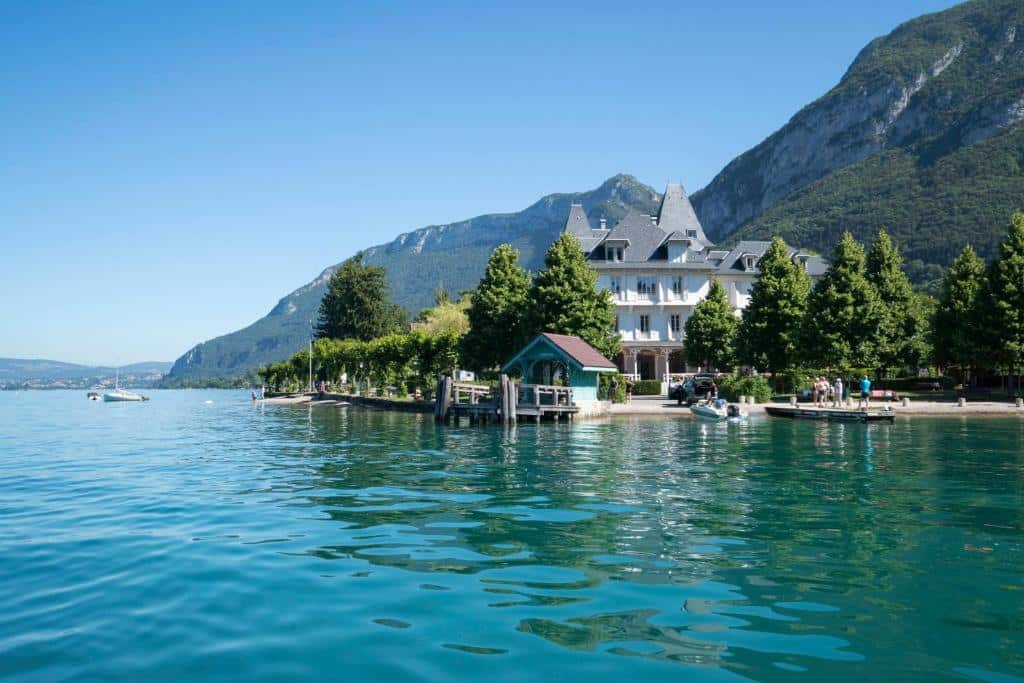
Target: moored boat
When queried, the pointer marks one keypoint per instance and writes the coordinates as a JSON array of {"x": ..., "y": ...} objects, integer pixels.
[
  {"x": 123, "y": 395},
  {"x": 832, "y": 414},
  {"x": 707, "y": 412},
  {"x": 710, "y": 412},
  {"x": 119, "y": 394},
  {"x": 93, "y": 395}
]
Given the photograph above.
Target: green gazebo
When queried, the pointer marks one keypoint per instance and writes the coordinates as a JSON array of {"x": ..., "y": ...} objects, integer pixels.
[{"x": 561, "y": 359}]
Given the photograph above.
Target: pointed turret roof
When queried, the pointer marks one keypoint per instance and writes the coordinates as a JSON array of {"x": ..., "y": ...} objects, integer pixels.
[
  {"x": 579, "y": 225},
  {"x": 677, "y": 214}
]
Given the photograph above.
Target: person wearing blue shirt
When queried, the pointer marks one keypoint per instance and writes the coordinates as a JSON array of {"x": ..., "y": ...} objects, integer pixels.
[{"x": 865, "y": 392}]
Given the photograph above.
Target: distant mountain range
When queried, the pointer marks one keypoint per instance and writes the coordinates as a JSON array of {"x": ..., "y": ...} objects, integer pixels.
[
  {"x": 453, "y": 254},
  {"x": 33, "y": 373},
  {"x": 923, "y": 135}
]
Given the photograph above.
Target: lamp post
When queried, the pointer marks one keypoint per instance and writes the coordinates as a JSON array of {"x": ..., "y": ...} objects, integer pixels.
[{"x": 311, "y": 355}]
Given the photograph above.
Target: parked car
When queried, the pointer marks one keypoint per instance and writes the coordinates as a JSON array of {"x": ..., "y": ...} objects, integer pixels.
[{"x": 692, "y": 390}]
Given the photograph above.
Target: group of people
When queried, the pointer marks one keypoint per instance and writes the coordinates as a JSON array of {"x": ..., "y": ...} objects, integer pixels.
[
  {"x": 827, "y": 394},
  {"x": 830, "y": 394}
]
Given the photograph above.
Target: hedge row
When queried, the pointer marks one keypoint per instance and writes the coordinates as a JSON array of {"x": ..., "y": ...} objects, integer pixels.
[{"x": 647, "y": 387}]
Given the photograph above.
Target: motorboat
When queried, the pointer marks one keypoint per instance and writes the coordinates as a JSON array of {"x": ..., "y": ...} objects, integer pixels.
[
  {"x": 707, "y": 411},
  {"x": 93, "y": 396},
  {"x": 119, "y": 394}
]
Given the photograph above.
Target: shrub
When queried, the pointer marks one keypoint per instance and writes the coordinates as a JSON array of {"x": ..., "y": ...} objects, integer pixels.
[
  {"x": 647, "y": 387},
  {"x": 734, "y": 387},
  {"x": 605, "y": 384}
]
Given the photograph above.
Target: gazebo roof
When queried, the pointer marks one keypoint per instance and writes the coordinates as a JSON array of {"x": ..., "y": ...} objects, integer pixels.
[{"x": 579, "y": 352}]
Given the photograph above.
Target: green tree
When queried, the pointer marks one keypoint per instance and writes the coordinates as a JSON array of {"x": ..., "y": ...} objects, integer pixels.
[
  {"x": 901, "y": 339},
  {"x": 711, "y": 331},
  {"x": 1002, "y": 300},
  {"x": 496, "y": 311},
  {"x": 769, "y": 334},
  {"x": 842, "y": 319},
  {"x": 565, "y": 299},
  {"x": 956, "y": 331},
  {"x": 358, "y": 304},
  {"x": 446, "y": 316}
]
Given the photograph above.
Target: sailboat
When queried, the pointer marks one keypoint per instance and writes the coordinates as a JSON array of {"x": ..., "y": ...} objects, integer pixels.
[{"x": 119, "y": 394}]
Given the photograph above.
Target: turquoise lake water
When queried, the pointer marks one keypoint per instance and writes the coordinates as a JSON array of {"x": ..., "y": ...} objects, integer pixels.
[{"x": 187, "y": 540}]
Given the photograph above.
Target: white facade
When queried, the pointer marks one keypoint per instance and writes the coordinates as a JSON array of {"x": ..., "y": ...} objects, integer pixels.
[{"x": 657, "y": 269}]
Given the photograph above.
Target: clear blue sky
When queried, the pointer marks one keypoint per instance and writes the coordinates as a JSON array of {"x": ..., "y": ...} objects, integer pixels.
[{"x": 171, "y": 169}]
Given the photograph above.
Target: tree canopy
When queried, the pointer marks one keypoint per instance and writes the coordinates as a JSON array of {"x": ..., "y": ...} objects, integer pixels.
[
  {"x": 711, "y": 331},
  {"x": 1002, "y": 299},
  {"x": 901, "y": 340},
  {"x": 842, "y": 320},
  {"x": 769, "y": 333},
  {"x": 496, "y": 311},
  {"x": 955, "y": 327},
  {"x": 358, "y": 304},
  {"x": 565, "y": 299}
]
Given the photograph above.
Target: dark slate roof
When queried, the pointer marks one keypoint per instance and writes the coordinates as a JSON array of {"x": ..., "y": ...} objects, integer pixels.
[
  {"x": 579, "y": 225},
  {"x": 580, "y": 351},
  {"x": 732, "y": 262},
  {"x": 676, "y": 213},
  {"x": 644, "y": 236}
]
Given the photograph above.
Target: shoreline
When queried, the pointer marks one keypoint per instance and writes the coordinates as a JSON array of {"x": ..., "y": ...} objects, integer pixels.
[{"x": 656, "y": 406}]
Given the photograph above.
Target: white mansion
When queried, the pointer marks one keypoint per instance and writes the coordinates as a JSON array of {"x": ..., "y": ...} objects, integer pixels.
[{"x": 657, "y": 269}]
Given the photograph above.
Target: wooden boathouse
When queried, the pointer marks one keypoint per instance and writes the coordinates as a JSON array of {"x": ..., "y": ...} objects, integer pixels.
[{"x": 558, "y": 378}]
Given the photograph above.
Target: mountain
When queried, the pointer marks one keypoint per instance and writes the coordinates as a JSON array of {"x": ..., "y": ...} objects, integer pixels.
[
  {"x": 922, "y": 136},
  {"x": 453, "y": 254},
  {"x": 31, "y": 373}
]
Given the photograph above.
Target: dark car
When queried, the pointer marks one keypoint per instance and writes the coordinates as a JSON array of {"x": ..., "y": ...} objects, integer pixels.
[{"x": 692, "y": 390}]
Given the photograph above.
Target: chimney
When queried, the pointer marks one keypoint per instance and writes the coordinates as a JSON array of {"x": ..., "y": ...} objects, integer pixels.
[
  {"x": 654, "y": 219},
  {"x": 604, "y": 223}
]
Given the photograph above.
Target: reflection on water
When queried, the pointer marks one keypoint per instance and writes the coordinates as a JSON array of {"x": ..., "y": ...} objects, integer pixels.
[{"x": 267, "y": 542}]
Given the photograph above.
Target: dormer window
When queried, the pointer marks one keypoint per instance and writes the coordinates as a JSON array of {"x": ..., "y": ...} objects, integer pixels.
[
  {"x": 613, "y": 253},
  {"x": 691, "y": 233},
  {"x": 749, "y": 262}
]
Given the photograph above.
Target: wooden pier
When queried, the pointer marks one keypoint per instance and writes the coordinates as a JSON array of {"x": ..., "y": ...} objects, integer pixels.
[{"x": 508, "y": 403}]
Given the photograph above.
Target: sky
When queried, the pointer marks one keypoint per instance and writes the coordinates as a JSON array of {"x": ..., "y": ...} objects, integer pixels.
[{"x": 169, "y": 170}]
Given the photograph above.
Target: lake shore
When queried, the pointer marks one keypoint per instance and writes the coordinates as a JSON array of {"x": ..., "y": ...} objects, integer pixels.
[
  {"x": 659, "y": 405},
  {"x": 662, "y": 407}
]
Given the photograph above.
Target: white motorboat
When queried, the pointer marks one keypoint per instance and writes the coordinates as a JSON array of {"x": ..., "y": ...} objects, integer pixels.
[
  {"x": 93, "y": 396},
  {"x": 119, "y": 394},
  {"x": 725, "y": 412},
  {"x": 707, "y": 412}
]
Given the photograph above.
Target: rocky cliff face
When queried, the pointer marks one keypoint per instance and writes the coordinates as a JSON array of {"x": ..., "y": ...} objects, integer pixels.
[{"x": 955, "y": 74}]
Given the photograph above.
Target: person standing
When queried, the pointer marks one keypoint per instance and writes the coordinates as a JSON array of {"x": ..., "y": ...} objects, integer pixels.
[
  {"x": 838, "y": 389},
  {"x": 865, "y": 392},
  {"x": 613, "y": 389},
  {"x": 629, "y": 390}
]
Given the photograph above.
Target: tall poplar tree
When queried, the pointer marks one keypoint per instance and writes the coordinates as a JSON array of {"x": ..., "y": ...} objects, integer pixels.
[
  {"x": 1002, "y": 300},
  {"x": 358, "y": 303},
  {"x": 956, "y": 333},
  {"x": 842, "y": 323},
  {"x": 770, "y": 333},
  {"x": 496, "y": 311},
  {"x": 711, "y": 331},
  {"x": 565, "y": 299},
  {"x": 900, "y": 341}
]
